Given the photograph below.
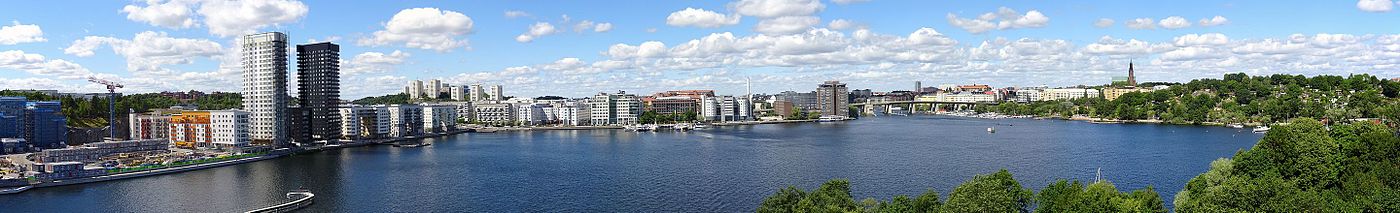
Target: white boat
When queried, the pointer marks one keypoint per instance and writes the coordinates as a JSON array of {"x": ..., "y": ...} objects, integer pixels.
[
  {"x": 829, "y": 118},
  {"x": 1235, "y": 125},
  {"x": 1261, "y": 129},
  {"x": 991, "y": 130}
]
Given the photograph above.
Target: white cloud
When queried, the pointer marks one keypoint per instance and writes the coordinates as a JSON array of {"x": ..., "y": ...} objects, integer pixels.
[
  {"x": 536, "y": 30},
  {"x": 1141, "y": 23},
  {"x": 1208, "y": 39},
  {"x": 1377, "y": 6},
  {"x": 424, "y": 28},
  {"x": 1103, "y": 23},
  {"x": 32, "y": 83},
  {"x": 1003, "y": 18},
  {"x": 777, "y": 8},
  {"x": 1132, "y": 47},
  {"x": 235, "y": 18},
  {"x": 149, "y": 51},
  {"x": 1214, "y": 21},
  {"x": 848, "y": 1},
  {"x": 843, "y": 24},
  {"x": 1190, "y": 53},
  {"x": 516, "y": 14},
  {"x": 173, "y": 14},
  {"x": 21, "y": 33},
  {"x": 38, "y": 65},
  {"x": 695, "y": 17},
  {"x": 1174, "y": 22},
  {"x": 603, "y": 27},
  {"x": 786, "y": 25},
  {"x": 374, "y": 62}
]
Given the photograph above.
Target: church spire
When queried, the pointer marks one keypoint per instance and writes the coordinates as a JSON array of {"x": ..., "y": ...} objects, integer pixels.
[{"x": 1132, "y": 80}]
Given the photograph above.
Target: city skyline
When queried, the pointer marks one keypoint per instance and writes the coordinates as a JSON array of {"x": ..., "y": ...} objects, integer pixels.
[{"x": 534, "y": 47}]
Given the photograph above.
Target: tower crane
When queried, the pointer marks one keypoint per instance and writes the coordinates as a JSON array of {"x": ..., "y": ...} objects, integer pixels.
[{"x": 111, "y": 104}]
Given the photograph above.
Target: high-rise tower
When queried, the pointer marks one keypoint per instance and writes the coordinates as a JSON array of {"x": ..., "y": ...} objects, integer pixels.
[
  {"x": 265, "y": 87},
  {"x": 318, "y": 85}
]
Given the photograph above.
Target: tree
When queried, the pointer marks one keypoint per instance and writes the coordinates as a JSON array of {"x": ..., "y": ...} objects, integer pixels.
[{"x": 997, "y": 192}]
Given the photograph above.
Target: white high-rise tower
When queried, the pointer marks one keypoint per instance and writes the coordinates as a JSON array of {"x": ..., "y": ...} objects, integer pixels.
[{"x": 265, "y": 87}]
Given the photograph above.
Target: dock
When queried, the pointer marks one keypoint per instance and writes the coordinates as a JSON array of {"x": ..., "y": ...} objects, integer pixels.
[{"x": 301, "y": 199}]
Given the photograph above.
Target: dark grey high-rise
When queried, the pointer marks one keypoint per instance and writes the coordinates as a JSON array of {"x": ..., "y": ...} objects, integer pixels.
[{"x": 318, "y": 85}]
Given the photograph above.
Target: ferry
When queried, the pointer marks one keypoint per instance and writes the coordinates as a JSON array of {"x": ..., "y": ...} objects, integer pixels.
[{"x": 1261, "y": 129}]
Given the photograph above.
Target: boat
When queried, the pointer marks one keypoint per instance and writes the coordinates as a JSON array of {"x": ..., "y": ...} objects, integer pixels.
[
  {"x": 1105, "y": 122},
  {"x": 829, "y": 118},
  {"x": 1261, "y": 129},
  {"x": 991, "y": 130},
  {"x": 15, "y": 190},
  {"x": 1235, "y": 125}
]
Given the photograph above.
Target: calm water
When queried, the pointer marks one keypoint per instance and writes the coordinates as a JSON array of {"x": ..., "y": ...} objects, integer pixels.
[{"x": 729, "y": 169}]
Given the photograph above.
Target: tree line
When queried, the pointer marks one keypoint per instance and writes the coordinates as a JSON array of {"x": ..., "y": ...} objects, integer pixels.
[
  {"x": 996, "y": 192},
  {"x": 1236, "y": 98}
]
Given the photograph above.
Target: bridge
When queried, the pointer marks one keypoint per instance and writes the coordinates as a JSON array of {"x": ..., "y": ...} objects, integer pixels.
[{"x": 868, "y": 107}]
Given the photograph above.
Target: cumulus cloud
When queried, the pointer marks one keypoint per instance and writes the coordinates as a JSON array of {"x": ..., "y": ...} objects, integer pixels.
[
  {"x": 17, "y": 33},
  {"x": 603, "y": 27},
  {"x": 374, "y": 62},
  {"x": 695, "y": 17},
  {"x": 1208, "y": 39},
  {"x": 38, "y": 65},
  {"x": 786, "y": 25},
  {"x": 424, "y": 28},
  {"x": 1174, "y": 22},
  {"x": 223, "y": 17},
  {"x": 535, "y": 31},
  {"x": 848, "y": 1},
  {"x": 777, "y": 8},
  {"x": 1376, "y": 6},
  {"x": 1003, "y": 18},
  {"x": 149, "y": 51},
  {"x": 1118, "y": 47},
  {"x": 1103, "y": 23},
  {"x": 1141, "y": 23},
  {"x": 1214, "y": 21}
]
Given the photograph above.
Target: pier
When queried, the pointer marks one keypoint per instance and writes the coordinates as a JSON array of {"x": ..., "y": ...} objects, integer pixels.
[{"x": 301, "y": 199}]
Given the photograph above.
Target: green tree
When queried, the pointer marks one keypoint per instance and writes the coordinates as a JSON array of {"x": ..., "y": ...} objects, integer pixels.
[{"x": 997, "y": 192}]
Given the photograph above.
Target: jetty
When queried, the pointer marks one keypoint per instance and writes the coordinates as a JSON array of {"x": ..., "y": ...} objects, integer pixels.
[{"x": 300, "y": 199}]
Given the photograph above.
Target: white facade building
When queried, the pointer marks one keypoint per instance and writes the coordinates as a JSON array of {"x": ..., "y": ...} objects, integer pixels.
[
  {"x": 497, "y": 94},
  {"x": 230, "y": 128},
  {"x": 364, "y": 122},
  {"x": 966, "y": 97},
  {"x": 1067, "y": 93},
  {"x": 264, "y": 61},
  {"x": 496, "y": 113},
  {"x": 615, "y": 109},
  {"x": 458, "y": 93},
  {"x": 531, "y": 114},
  {"x": 405, "y": 120},
  {"x": 725, "y": 108},
  {"x": 432, "y": 89},
  {"x": 475, "y": 93},
  {"x": 573, "y": 113},
  {"x": 415, "y": 90},
  {"x": 439, "y": 118}
]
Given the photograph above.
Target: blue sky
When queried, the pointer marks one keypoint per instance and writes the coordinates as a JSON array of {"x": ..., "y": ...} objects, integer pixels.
[{"x": 650, "y": 46}]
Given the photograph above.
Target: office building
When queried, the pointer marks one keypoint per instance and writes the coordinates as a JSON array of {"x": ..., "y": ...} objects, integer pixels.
[
  {"x": 573, "y": 113},
  {"x": 264, "y": 60},
  {"x": 725, "y": 108},
  {"x": 674, "y": 105},
  {"x": 318, "y": 90},
  {"x": 45, "y": 127},
  {"x": 805, "y": 101},
  {"x": 12, "y": 116},
  {"x": 832, "y": 99},
  {"x": 405, "y": 120},
  {"x": 615, "y": 109}
]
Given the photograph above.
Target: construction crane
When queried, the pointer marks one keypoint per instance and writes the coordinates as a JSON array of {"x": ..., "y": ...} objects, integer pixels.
[{"x": 111, "y": 105}]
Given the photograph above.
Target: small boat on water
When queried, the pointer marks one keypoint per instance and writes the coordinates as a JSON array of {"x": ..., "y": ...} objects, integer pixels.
[
  {"x": 1261, "y": 129},
  {"x": 991, "y": 130},
  {"x": 1235, "y": 125},
  {"x": 829, "y": 118}
]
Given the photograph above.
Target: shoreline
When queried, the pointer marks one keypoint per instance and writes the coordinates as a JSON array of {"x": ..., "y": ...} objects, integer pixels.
[{"x": 195, "y": 167}]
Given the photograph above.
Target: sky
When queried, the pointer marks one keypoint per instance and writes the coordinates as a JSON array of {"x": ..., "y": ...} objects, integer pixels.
[{"x": 579, "y": 48}]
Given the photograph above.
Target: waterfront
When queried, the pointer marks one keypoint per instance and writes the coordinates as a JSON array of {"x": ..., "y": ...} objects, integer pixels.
[{"x": 723, "y": 169}]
